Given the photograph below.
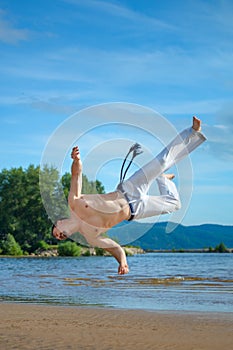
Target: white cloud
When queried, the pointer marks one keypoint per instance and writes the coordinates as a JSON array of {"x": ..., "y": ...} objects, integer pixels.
[
  {"x": 220, "y": 135},
  {"x": 214, "y": 190},
  {"x": 53, "y": 108},
  {"x": 167, "y": 67},
  {"x": 9, "y": 33},
  {"x": 220, "y": 13},
  {"x": 117, "y": 10},
  {"x": 198, "y": 107}
]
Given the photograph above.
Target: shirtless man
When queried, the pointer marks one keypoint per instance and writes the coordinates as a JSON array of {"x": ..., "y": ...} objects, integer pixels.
[{"x": 93, "y": 214}]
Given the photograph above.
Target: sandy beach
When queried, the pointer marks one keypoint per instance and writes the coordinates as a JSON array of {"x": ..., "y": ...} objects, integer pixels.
[{"x": 25, "y": 326}]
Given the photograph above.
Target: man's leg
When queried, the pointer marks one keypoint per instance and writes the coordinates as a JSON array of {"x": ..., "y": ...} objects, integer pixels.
[
  {"x": 180, "y": 147},
  {"x": 166, "y": 203}
]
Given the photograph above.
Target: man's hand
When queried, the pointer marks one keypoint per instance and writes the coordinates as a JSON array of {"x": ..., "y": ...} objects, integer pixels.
[
  {"x": 76, "y": 176},
  {"x": 75, "y": 154},
  {"x": 123, "y": 269},
  {"x": 76, "y": 168}
]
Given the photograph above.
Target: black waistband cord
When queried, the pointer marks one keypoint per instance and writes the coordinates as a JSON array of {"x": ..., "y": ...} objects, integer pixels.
[{"x": 136, "y": 150}]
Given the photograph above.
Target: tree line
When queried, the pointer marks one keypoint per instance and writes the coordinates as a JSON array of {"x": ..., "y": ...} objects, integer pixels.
[{"x": 24, "y": 193}]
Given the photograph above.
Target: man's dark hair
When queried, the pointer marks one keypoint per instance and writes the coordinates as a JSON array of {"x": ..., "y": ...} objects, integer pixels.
[{"x": 55, "y": 224}]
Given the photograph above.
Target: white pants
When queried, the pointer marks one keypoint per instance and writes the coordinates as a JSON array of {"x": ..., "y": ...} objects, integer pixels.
[{"x": 137, "y": 186}]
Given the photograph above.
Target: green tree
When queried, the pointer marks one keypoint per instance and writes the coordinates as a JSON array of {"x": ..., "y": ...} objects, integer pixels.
[
  {"x": 221, "y": 248},
  {"x": 66, "y": 178},
  {"x": 9, "y": 246},
  {"x": 91, "y": 186},
  {"x": 69, "y": 249},
  {"x": 53, "y": 193},
  {"x": 21, "y": 208},
  {"x": 30, "y": 199},
  {"x": 99, "y": 187}
]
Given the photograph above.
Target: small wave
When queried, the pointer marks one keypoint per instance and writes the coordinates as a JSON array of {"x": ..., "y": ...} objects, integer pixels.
[
  {"x": 131, "y": 282},
  {"x": 181, "y": 280}
]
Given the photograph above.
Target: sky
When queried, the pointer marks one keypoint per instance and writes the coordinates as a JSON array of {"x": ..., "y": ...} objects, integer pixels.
[{"x": 175, "y": 57}]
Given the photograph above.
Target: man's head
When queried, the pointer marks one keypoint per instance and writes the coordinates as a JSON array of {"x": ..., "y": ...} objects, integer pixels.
[{"x": 59, "y": 229}]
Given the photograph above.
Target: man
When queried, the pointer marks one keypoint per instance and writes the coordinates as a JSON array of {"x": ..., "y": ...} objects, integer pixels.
[{"x": 93, "y": 214}]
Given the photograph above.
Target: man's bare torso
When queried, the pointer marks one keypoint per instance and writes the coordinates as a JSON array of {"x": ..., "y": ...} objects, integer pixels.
[{"x": 100, "y": 211}]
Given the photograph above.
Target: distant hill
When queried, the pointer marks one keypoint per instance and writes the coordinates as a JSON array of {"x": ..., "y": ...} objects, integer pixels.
[{"x": 183, "y": 237}]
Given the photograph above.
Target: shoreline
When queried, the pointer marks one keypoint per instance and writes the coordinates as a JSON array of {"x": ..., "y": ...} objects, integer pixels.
[
  {"x": 129, "y": 252},
  {"x": 32, "y": 326},
  {"x": 214, "y": 314}
]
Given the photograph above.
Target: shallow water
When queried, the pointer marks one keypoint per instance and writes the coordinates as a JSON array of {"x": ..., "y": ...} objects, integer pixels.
[{"x": 161, "y": 281}]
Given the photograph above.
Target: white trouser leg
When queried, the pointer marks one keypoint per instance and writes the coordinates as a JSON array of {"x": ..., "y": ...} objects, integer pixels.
[
  {"x": 166, "y": 203},
  {"x": 181, "y": 146},
  {"x": 139, "y": 183}
]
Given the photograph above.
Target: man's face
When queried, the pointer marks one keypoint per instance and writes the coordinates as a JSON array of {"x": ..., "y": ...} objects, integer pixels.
[{"x": 59, "y": 230}]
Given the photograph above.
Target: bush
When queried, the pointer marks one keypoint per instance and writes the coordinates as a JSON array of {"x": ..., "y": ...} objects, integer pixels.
[
  {"x": 99, "y": 251},
  {"x": 87, "y": 253},
  {"x": 10, "y": 247},
  {"x": 69, "y": 249},
  {"x": 43, "y": 245}
]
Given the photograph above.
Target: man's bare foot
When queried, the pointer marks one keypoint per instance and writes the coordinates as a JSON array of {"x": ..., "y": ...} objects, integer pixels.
[
  {"x": 196, "y": 124},
  {"x": 123, "y": 269},
  {"x": 169, "y": 176}
]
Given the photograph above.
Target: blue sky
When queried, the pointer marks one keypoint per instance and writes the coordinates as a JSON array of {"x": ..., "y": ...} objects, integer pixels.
[{"x": 175, "y": 57}]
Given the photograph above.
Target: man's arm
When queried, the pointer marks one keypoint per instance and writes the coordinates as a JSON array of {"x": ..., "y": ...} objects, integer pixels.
[
  {"x": 113, "y": 248},
  {"x": 76, "y": 176},
  {"x": 119, "y": 254}
]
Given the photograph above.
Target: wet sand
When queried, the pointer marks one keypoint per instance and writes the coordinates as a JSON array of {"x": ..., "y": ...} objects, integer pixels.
[{"x": 37, "y": 327}]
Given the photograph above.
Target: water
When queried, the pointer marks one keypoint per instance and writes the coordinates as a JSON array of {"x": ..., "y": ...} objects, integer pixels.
[{"x": 175, "y": 282}]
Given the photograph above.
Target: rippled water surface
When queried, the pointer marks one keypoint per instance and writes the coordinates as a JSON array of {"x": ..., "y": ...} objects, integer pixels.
[{"x": 172, "y": 281}]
